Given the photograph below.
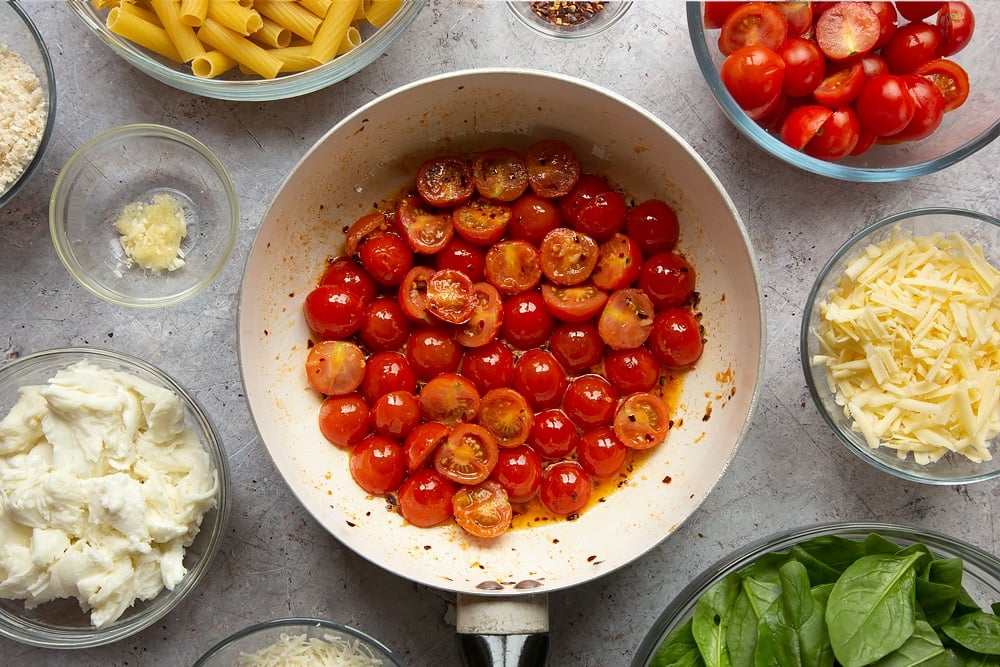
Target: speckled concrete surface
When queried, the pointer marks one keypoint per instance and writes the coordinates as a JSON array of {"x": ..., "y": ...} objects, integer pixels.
[{"x": 276, "y": 561}]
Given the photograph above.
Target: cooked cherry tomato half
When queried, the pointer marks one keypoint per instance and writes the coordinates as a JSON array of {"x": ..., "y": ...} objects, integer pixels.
[
  {"x": 577, "y": 346},
  {"x": 413, "y": 294},
  {"x": 335, "y": 367},
  {"x": 384, "y": 325},
  {"x": 450, "y": 296},
  {"x": 805, "y": 65},
  {"x": 668, "y": 279},
  {"x": 642, "y": 421},
  {"x": 481, "y": 221},
  {"x": 847, "y": 30},
  {"x": 345, "y": 272},
  {"x": 600, "y": 453},
  {"x": 387, "y": 258},
  {"x": 395, "y": 414},
  {"x": 619, "y": 261},
  {"x": 631, "y": 371},
  {"x": 753, "y": 23},
  {"x": 427, "y": 230},
  {"x": 539, "y": 378},
  {"x": 487, "y": 316},
  {"x": 567, "y": 256},
  {"x": 566, "y": 488},
  {"x": 837, "y": 138},
  {"x": 450, "y": 399},
  {"x": 468, "y": 456},
  {"x": 553, "y": 168},
  {"x": 532, "y": 217},
  {"x": 928, "y": 109},
  {"x": 627, "y": 319},
  {"x": 463, "y": 256},
  {"x": 507, "y": 416},
  {"x": 841, "y": 86},
  {"x": 885, "y": 106},
  {"x": 526, "y": 322},
  {"x": 554, "y": 435},
  {"x": 333, "y": 311},
  {"x": 653, "y": 225},
  {"x": 484, "y": 510},
  {"x": 956, "y": 23},
  {"x": 912, "y": 46},
  {"x": 421, "y": 443},
  {"x": 500, "y": 174},
  {"x": 432, "y": 350},
  {"x": 577, "y": 303},
  {"x": 385, "y": 372},
  {"x": 587, "y": 187},
  {"x": 488, "y": 366},
  {"x": 445, "y": 181},
  {"x": 425, "y": 498},
  {"x": 519, "y": 472},
  {"x": 513, "y": 266},
  {"x": 753, "y": 75},
  {"x": 950, "y": 78},
  {"x": 377, "y": 465},
  {"x": 675, "y": 340},
  {"x": 603, "y": 216},
  {"x": 590, "y": 401},
  {"x": 343, "y": 420},
  {"x": 367, "y": 227}
]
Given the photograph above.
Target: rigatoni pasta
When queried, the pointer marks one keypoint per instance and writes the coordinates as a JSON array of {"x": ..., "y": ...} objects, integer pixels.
[{"x": 264, "y": 37}]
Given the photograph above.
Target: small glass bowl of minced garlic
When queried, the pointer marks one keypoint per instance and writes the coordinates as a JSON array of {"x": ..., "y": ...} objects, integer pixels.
[{"x": 143, "y": 215}]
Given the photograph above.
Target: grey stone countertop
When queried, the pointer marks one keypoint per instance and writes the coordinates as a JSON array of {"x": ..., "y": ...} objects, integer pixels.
[{"x": 276, "y": 561}]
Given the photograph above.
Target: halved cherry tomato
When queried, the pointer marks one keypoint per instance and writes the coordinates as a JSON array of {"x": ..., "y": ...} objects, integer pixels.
[
  {"x": 653, "y": 225},
  {"x": 716, "y": 12},
  {"x": 753, "y": 75},
  {"x": 519, "y": 472},
  {"x": 532, "y": 217},
  {"x": 566, "y": 488},
  {"x": 619, "y": 261},
  {"x": 395, "y": 414},
  {"x": 445, "y": 181},
  {"x": 642, "y": 421},
  {"x": 676, "y": 338},
  {"x": 553, "y": 168},
  {"x": 487, "y": 316},
  {"x": 866, "y": 140},
  {"x": 335, "y": 367},
  {"x": 799, "y": 16},
  {"x": 513, "y": 266},
  {"x": 347, "y": 273},
  {"x": 526, "y": 322},
  {"x": 841, "y": 86},
  {"x": 507, "y": 416},
  {"x": 367, "y": 227},
  {"x": 333, "y": 311},
  {"x": 450, "y": 296},
  {"x": 956, "y": 23},
  {"x": 603, "y": 216},
  {"x": 385, "y": 372},
  {"x": 917, "y": 10},
  {"x": 413, "y": 293},
  {"x": 481, "y": 221},
  {"x": 387, "y": 258},
  {"x": 873, "y": 64},
  {"x": 950, "y": 78},
  {"x": 377, "y": 465},
  {"x": 600, "y": 453},
  {"x": 587, "y": 187},
  {"x": 838, "y": 136},
  {"x": 887, "y": 21},
  {"x": 489, "y": 366},
  {"x": 668, "y": 279},
  {"x": 805, "y": 66},
  {"x": 912, "y": 46},
  {"x": 343, "y": 420},
  {"x": 468, "y": 456},
  {"x": 753, "y": 23},
  {"x": 553, "y": 436},
  {"x": 483, "y": 510},
  {"x": 577, "y": 347},
  {"x": 432, "y": 350},
  {"x": 847, "y": 30},
  {"x": 884, "y": 106},
  {"x": 421, "y": 443},
  {"x": 627, "y": 319},
  {"x": 427, "y": 230},
  {"x": 802, "y": 123},
  {"x": 450, "y": 399},
  {"x": 577, "y": 303},
  {"x": 928, "y": 109},
  {"x": 633, "y": 370},
  {"x": 567, "y": 256},
  {"x": 590, "y": 401},
  {"x": 500, "y": 174},
  {"x": 425, "y": 498},
  {"x": 462, "y": 256},
  {"x": 384, "y": 325},
  {"x": 539, "y": 378}
]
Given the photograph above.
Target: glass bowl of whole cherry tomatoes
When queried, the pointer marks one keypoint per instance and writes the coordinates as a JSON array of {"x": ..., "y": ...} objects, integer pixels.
[{"x": 858, "y": 91}]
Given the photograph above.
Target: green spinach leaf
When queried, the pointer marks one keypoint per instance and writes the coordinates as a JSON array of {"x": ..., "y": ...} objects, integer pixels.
[
  {"x": 977, "y": 631},
  {"x": 678, "y": 649},
  {"x": 708, "y": 627}
]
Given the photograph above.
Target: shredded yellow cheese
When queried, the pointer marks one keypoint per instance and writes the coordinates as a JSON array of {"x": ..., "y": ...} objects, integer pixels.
[
  {"x": 152, "y": 232},
  {"x": 294, "y": 650},
  {"x": 910, "y": 341}
]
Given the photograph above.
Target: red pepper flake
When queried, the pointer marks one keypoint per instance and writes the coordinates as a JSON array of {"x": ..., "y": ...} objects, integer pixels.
[{"x": 567, "y": 13}]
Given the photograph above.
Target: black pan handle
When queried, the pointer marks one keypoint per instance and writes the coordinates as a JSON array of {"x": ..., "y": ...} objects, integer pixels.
[{"x": 503, "y": 631}]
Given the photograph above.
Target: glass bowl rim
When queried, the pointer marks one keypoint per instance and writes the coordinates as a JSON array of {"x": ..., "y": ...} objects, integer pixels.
[
  {"x": 835, "y": 263},
  {"x": 166, "y": 601},
  {"x": 778, "y": 149}
]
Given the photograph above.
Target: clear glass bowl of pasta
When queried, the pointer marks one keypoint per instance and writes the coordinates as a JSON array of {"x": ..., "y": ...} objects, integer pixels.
[
  {"x": 221, "y": 60},
  {"x": 304, "y": 639}
]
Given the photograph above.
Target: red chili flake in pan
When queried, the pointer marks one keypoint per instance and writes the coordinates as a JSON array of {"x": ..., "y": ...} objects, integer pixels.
[{"x": 567, "y": 13}]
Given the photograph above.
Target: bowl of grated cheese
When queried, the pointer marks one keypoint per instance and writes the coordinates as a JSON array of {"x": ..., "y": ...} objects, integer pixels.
[
  {"x": 144, "y": 215},
  {"x": 27, "y": 99},
  {"x": 900, "y": 345},
  {"x": 298, "y": 641}
]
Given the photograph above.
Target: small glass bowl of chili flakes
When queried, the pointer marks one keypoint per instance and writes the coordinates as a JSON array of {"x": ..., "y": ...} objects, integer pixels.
[{"x": 570, "y": 20}]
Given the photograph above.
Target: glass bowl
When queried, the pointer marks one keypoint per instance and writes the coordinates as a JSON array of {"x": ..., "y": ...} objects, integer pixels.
[
  {"x": 60, "y": 623},
  {"x": 608, "y": 15},
  {"x": 238, "y": 87},
  {"x": 257, "y": 637},
  {"x": 981, "y": 577},
  {"x": 952, "y": 468},
  {"x": 19, "y": 35},
  {"x": 962, "y": 132},
  {"x": 142, "y": 163}
]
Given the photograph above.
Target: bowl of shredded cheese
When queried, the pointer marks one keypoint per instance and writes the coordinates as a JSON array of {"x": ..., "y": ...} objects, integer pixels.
[
  {"x": 900, "y": 345},
  {"x": 27, "y": 99},
  {"x": 144, "y": 216},
  {"x": 298, "y": 641}
]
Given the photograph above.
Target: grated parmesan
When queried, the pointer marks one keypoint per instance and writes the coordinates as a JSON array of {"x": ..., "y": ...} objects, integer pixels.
[
  {"x": 151, "y": 232},
  {"x": 23, "y": 113},
  {"x": 295, "y": 650},
  {"x": 910, "y": 341}
]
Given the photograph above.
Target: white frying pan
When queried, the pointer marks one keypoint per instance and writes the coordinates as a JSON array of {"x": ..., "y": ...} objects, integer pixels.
[{"x": 371, "y": 154}]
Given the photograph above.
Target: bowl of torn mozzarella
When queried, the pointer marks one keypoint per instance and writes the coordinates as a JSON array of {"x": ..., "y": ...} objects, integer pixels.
[
  {"x": 115, "y": 494},
  {"x": 900, "y": 345},
  {"x": 298, "y": 641}
]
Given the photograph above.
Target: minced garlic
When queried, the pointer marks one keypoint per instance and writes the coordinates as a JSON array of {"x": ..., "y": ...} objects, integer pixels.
[
  {"x": 910, "y": 339},
  {"x": 151, "y": 232}
]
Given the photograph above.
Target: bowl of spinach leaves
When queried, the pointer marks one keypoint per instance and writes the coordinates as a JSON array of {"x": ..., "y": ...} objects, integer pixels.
[{"x": 848, "y": 594}]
